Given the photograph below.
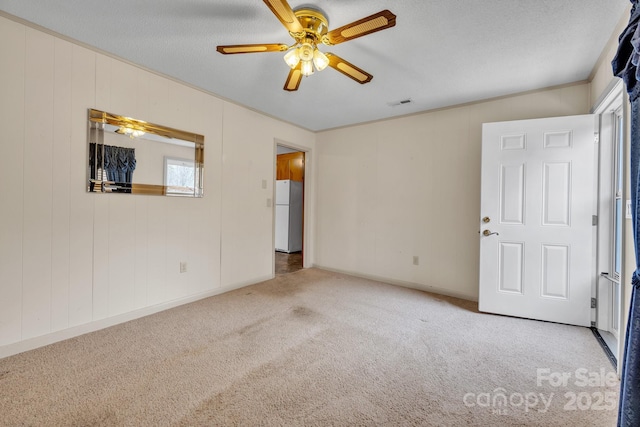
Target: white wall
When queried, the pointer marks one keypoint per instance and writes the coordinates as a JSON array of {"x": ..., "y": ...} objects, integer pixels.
[
  {"x": 395, "y": 189},
  {"x": 71, "y": 261}
]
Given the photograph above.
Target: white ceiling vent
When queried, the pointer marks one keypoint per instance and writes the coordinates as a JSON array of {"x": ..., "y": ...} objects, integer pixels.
[{"x": 402, "y": 102}]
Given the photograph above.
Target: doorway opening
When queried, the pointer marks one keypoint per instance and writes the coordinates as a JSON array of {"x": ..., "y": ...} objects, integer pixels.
[{"x": 289, "y": 209}]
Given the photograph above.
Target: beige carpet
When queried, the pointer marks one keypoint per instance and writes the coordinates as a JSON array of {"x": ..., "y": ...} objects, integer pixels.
[{"x": 315, "y": 348}]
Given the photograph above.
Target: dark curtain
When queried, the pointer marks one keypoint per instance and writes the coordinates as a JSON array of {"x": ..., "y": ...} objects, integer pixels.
[
  {"x": 625, "y": 65},
  {"x": 117, "y": 162}
]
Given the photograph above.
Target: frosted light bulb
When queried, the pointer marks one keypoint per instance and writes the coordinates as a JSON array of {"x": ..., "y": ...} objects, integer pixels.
[
  {"x": 292, "y": 58},
  {"x": 307, "y": 68},
  {"x": 320, "y": 60}
]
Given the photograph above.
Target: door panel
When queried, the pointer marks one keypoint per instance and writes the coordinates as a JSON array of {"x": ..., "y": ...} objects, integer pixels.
[
  {"x": 536, "y": 245},
  {"x": 511, "y": 267},
  {"x": 556, "y": 194},
  {"x": 555, "y": 271},
  {"x": 512, "y": 194}
]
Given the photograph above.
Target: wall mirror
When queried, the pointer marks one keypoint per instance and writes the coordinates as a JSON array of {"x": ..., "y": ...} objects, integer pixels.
[{"x": 132, "y": 156}]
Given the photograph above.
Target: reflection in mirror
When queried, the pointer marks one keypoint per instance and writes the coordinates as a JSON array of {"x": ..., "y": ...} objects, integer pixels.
[{"x": 133, "y": 156}]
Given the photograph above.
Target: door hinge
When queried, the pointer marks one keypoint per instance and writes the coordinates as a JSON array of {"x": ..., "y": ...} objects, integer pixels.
[
  {"x": 594, "y": 220},
  {"x": 596, "y": 137},
  {"x": 594, "y": 302}
]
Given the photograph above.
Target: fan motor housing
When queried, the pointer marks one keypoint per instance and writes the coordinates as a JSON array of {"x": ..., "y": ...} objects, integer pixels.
[{"x": 314, "y": 22}]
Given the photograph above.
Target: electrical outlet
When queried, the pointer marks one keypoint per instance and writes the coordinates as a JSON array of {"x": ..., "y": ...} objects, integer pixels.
[
  {"x": 264, "y": 184},
  {"x": 416, "y": 260},
  {"x": 183, "y": 266}
]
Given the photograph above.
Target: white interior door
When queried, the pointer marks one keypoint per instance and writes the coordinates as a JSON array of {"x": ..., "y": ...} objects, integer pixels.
[{"x": 538, "y": 189}]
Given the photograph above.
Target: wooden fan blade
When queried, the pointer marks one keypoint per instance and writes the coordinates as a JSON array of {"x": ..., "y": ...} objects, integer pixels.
[
  {"x": 285, "y": 14},
  {"x": 348, "y": 69},
  {"x": 294, "y": 79},
  {"x": 251, "y": 48},
  {"x": 376, "y": 22}
]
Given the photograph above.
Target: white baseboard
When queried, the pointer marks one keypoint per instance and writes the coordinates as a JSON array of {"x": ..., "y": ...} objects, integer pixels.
[
  {"x": 404, "y": 284},
  {"x": 74, "y": 331}
]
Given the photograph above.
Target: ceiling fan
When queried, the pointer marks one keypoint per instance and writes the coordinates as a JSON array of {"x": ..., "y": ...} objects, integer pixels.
[{"x": 309, "y": 27}]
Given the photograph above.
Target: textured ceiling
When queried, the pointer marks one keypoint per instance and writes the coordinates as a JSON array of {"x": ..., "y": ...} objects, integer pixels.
[{"x": 440, "y": 53}]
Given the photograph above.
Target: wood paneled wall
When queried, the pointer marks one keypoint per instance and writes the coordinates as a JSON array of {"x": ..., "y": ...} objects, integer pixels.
[{"x": 76, "y": 261}]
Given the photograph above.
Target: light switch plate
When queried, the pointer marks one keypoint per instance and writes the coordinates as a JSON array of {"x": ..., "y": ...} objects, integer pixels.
[{"x": 628, "y": 211}]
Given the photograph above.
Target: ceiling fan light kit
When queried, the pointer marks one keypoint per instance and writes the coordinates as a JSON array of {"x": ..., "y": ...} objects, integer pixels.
[
  {"x": 128, "y": 130},
  {"x": 309, "y": 27}
]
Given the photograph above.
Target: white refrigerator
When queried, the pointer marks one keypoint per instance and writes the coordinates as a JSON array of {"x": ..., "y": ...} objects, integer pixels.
[{"x": 288, "y": 216}]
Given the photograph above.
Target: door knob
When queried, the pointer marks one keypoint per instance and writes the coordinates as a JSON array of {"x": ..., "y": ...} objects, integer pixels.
[
  {"x": 486, "y": 219},
  {"x": 489, "y": 233}
]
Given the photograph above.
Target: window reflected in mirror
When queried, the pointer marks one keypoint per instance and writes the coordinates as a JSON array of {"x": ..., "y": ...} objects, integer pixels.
[
  {"x": 132, "y": 156},
  {"x": 179, "y": 174}
]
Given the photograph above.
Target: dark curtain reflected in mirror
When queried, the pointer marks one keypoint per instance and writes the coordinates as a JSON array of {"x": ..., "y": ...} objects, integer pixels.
[{"x": 113, "y": 164}]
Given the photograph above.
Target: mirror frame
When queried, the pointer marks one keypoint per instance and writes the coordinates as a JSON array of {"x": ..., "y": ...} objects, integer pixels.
[{"x": 96, "y": 128}]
